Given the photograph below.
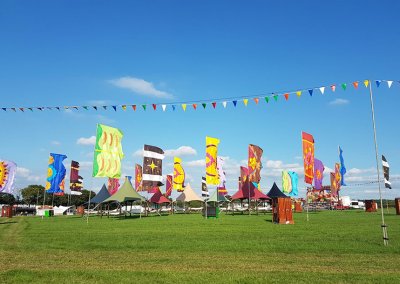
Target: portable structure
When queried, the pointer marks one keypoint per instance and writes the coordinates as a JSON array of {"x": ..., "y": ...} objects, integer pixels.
[
  {"x": 370, "y": 206},
  {"x": 397, "y": 205},
  {"x": 281, "y": 206}
]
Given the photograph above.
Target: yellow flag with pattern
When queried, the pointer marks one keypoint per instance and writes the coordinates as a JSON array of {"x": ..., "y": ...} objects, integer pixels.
[{"x": 212, "y": 176}]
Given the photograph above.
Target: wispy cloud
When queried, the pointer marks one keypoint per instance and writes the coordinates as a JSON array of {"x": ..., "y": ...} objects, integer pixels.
[
  {"x": 339, "y": 102},
  {"x": 27, "y": 174},
  {"x": 86, "y": 141},
  {"x": 56, "y": 143},
  {"x": 139, "y": 86},
  {"x": 181, "y": 151}
]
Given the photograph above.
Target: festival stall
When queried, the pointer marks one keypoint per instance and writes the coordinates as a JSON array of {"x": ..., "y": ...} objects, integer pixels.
[{"x": 281, "y": 206}]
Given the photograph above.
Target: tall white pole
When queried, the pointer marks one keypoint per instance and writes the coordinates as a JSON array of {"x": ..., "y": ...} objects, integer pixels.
[{"x": 384, "y": 227}]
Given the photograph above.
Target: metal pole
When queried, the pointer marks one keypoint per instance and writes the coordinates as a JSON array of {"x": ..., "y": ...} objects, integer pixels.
[
  {"x": 384, "y": 227},
  {"x": 307, "y": 202}
]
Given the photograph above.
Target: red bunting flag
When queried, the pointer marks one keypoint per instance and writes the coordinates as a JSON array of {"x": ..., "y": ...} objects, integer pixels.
[
  {"x": 154, "y": 106},
  {"x": 286, "y": 96},
  {"x": 195, "y": 106},
  {"x": 214, "y": 104},
  {"x": 333, "y": 87},
  {"x": 355, "y": 84},
  {"x": 134, "y": 107}
]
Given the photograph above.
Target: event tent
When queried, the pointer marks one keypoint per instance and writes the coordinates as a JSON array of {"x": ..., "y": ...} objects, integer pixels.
[
  {"x": 217, "y": 197},
  {"x": 159, "y": 198},
  {"x": 101, "y": 196},
  {"x": 249, "y": 190},
  {"x": 125, "y": 193},
  {"x": 275, "y": 192},
  {"x": 188, "y": 195}
]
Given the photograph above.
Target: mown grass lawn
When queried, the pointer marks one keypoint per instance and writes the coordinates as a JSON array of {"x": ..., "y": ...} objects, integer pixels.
[{"x": 334, "y": 246}]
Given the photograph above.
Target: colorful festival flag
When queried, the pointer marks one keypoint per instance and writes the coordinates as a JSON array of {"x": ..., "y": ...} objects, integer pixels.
[
  {"x": 75, "y": 180},
  {"x": 338, "y": 176},
  {"x": 334, "y": 188},
  {"x": 56, "y": 174},
  {"x": 108, "y": 152},
  {"x": 179, "y": 175},
  {"x": 385, "y": 166},
  {"x": 286, "y": 182},
  {"x": 318, "y": 173},
  {"x": 7, "y": 176},
  {"x": 204, "y": 189},
  {"x": 211, "y": 160},
  {"x": 113, "y": 185},
  {"x": 222, "y": 178},
  {"x": 152, "y": 167},
  {"x": 294, "y": 179},
  {"x": 138, "y": 177},
  {"x": 168, "y": 189},
  {"x": 254, "y": 163},
  {"x": 308, "y": 157},
  {"x": 342, "y": 167}
]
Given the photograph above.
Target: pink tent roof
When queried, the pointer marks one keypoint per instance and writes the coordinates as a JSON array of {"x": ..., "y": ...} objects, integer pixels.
[
  {"x": 243, "y": 193},
  {"x": 159, "y": 198}
]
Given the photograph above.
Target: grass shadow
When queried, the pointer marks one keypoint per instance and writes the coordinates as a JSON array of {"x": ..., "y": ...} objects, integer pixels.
[{"x": 8, "y": 222}]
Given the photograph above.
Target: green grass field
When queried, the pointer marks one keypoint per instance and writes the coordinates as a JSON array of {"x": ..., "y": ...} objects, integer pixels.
[{"x": 343, "y": 246}]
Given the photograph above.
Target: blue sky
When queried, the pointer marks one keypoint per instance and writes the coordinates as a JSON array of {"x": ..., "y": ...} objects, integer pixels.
[{"x": 66, "y": 53}]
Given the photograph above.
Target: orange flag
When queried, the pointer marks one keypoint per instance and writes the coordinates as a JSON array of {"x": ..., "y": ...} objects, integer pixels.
[{"x": 308, "y": 157}]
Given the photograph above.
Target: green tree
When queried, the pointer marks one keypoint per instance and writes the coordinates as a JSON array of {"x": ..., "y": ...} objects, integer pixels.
[
  {"x": 33, "y": 194},
  {"x": 7, "y": 198}
]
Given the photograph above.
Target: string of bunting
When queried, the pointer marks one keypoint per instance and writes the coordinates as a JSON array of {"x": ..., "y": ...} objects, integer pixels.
[
  {"x": 369, "y": 182},
  {"x": 214, "y": 102}
]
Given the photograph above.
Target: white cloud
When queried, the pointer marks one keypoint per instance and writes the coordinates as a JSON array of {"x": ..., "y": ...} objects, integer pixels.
[
  {"x": 338, "y": 102},
  {"x": 57, "y": 143},
  {"x": 27, "y": 174},
  {"x": 86, "y": 141},
  {"x": 139, "y": 86},
  {"x": 196, "y": 163},
  {"x": 181, "y": 151},
  {"x": 138, "y": 153}
]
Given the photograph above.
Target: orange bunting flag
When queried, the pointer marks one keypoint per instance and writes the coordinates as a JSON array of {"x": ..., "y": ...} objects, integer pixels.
[
  {"x": 366, "y": 83},
  {"x": 308, "y": 156},
  {"x": 212, "y": 176},
  {"x": 286, "y": 96},
  {"x": 134, "y": 107},
  {"x": 333, "y": 87},
  {"x": 256, "y": 100},
  {"x": 254, "y": 163},
  {"x": 245, "y": 101},
  {"x": 194, "y": 106},
  {"x": 355, "y": 84}
]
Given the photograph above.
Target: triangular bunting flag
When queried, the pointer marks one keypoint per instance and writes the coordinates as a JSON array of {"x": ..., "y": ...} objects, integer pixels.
[
  {"x": 194, "y": 106},
  {"x": 13, "y": 108},
  {"x": 245, "y": 101},
  {"x": 95, "y": 107},
  {"x": 75, "y": 107},
  {"x": 58, "y": 108},
  {"x": 184, "y": 107},
  {"x": 355, "y": 84},
  {"x": 214, "y": 104},
  {"x": 105, "y": 107},
  {"x": 154, "y": 106},
  {"x": 333, "y": 87},
  {"x": 322, "y": 90},
  {"x": 276, "y": 97},
  {"x": 366, "y": 83},
  {"x": 286, "y": 96},
  {"x": 378, "y": 83},
  {"x": 123, "y": 107},
  {"x": 173, "y": 107},
  {"x": 389, "y": 83},
  {"x": 256, "y": 100},
  {"x": 224, "y": 104},
  {"x": 310, "y": 91},
  {"x": 144, "y": 107},
  {"x": 298, "y": 93},
  {"x": 30, "y": 108},
  {"x": 204, "y": 105},
  {"x": 234, "y": 103},
  {"x": 21, "y": 109},
  {"x": 344, "y": 86},
  {"x": 134, "y": 107},
  {"x": 164, "y": 107},
  {"x": 115, "y": 108},
  {"x": 267, "y": 99},
  {"x": 85, "y": 107},
  {"x": 3, "y": 108}
]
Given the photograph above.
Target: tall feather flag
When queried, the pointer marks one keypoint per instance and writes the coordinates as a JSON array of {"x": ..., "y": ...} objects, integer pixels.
[
  {"x": 56, "y": 171},
  {"x": 7, "y": 176},
  {"x": 108, "y": 152},
  {"x": 342, "y": 167},
  {"x": 308, "y": 157},
  {"x": 221, "y": 174},
  {"x": 318, "y": 173},
  {"x": 75, "y": 180},
  {"x": 179, "y": 175},
  {"x": 334, "y": 188},
  {"x": 254, "y": 163},
  {"x": 385, "y": 166},
  {"x": 152, "y": 167},
  {"x": 338, "y": 176},
  {"x": 204, "y": 189},
  {"x": 212, "y": 176},
  {"x": 138, "y": 177},
  {"x": 168, "y": 189},
  {"x": 113, "y": 185},
  {"x": 294, "y": 178},
  {"x": 286, "y": 182}
]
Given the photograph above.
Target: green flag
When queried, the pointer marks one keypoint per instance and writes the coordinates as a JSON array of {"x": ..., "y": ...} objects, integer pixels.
[{"x": 108, "y": 152}]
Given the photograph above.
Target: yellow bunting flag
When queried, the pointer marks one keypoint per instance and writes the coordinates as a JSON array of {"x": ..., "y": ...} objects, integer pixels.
[
  {"x": 212, "y": 176},
  {"x": 184, "y": 107},
  {"x": 245, "y": 101},
  {"x": 366, "y": 83},
  {"x": 298, "y": 93}
]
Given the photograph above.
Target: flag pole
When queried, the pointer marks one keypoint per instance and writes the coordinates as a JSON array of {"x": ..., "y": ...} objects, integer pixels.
[{"x": 384, "y": 226}]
